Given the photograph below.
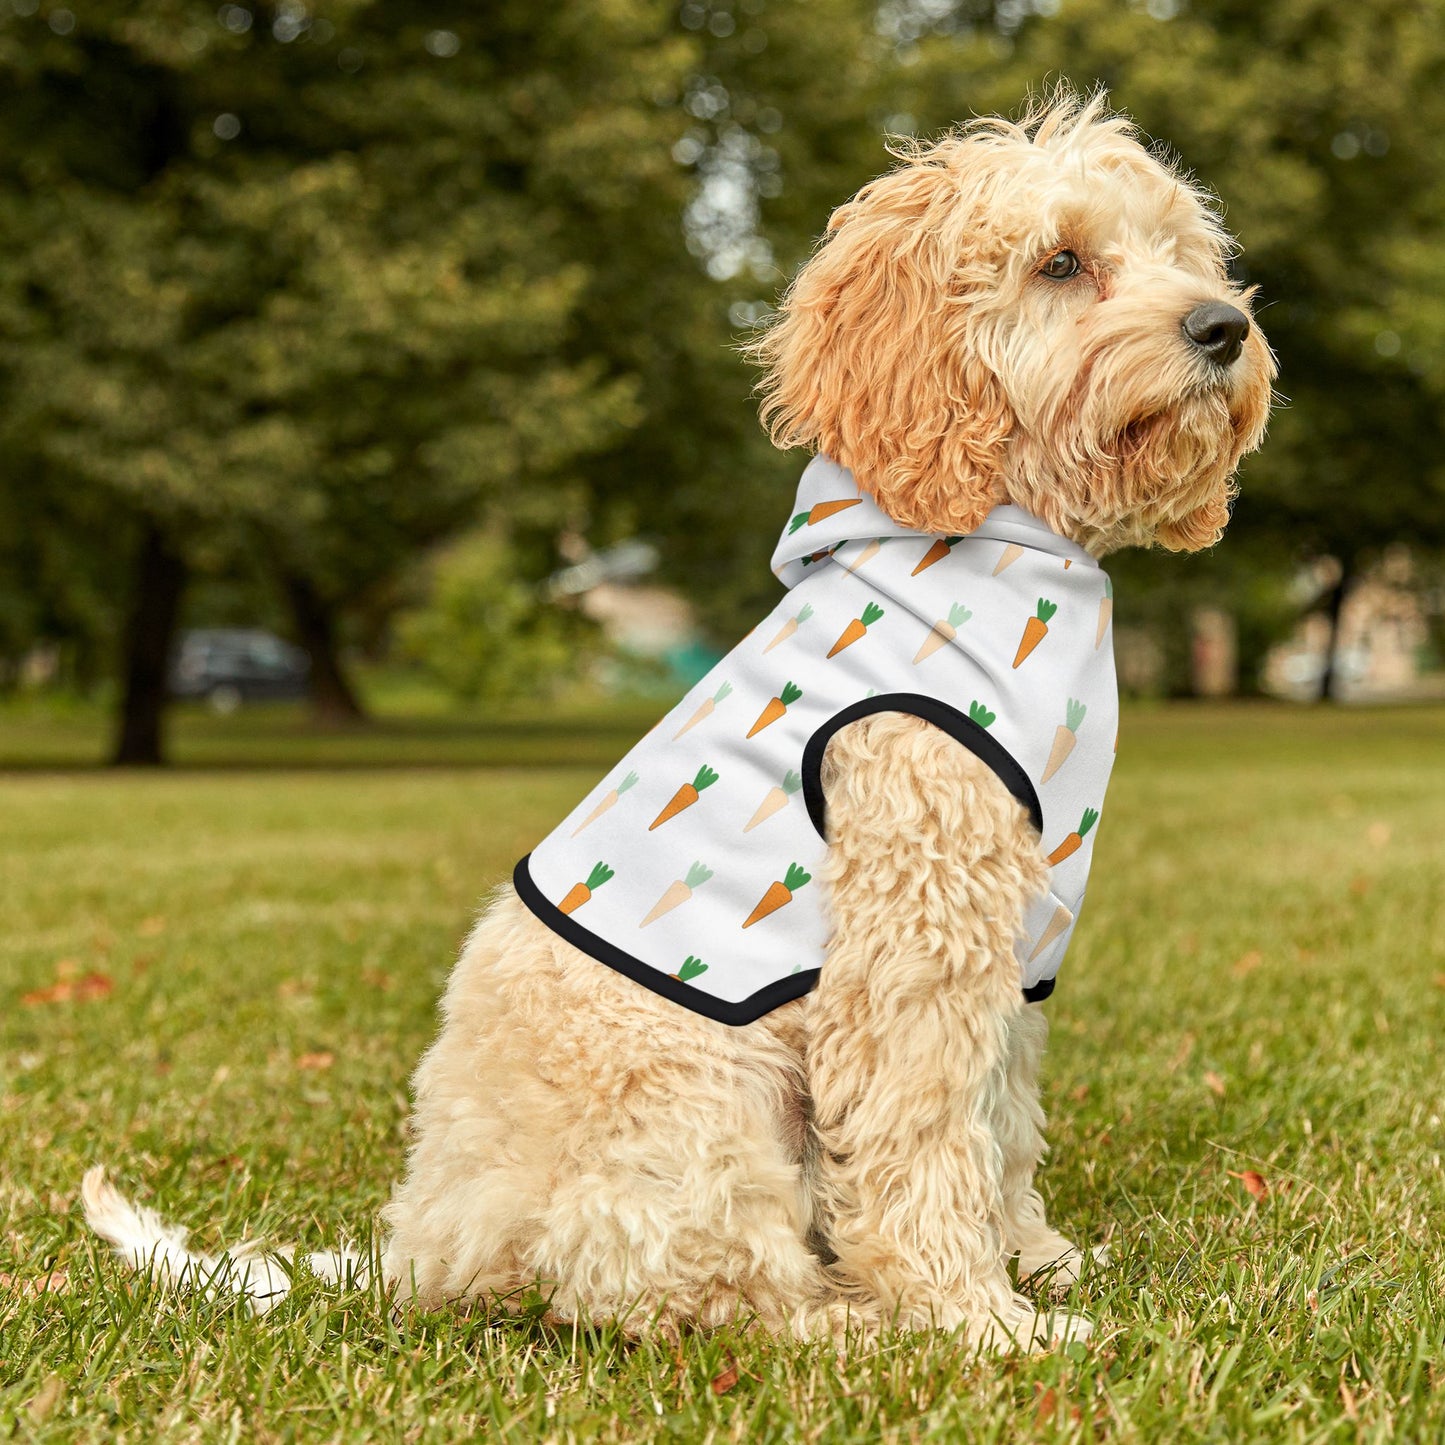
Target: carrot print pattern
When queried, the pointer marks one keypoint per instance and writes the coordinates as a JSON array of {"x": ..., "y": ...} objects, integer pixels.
[
  {"x": 936, "y": 553},
  {"x": 1035, "y": 630},
  {"x": 676, "y": 894},
  {"x": 685, "y": 796},
  {"x": 776, "y": 708},
  {"x": 790, "y": 626},
  {"x": 779, "y": 894},
  {"x": 690, "y": 969},
  {"x": 1065, "y": 736},
  {"x": 1106, "y": 611},
  {"x": 868, "y": 553},
  {"x": 856, "y": 628},
  {"x": 609, "y": 801},
  {"x": 821, "y": 510},
  {"x": 776, "y": 800},
  {"x": 978, "y": 713},
  {"x": 943, "y": 631},
  {"x": 705, "y": 711},
  {"x": 579, "y": 893},
  {"x": 1060, "y": 921},
  {"x": 1008, "y": 557},
  {"x": 1075, "y": 840}
]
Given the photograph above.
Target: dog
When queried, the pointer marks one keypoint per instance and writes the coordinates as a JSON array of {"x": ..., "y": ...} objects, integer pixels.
[{"x": 1028, "y": 318}]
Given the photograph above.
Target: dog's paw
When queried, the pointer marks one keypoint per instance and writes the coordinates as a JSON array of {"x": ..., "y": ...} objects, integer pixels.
[
  {"x": 1023, "y": 1326},
  {"x": 1059, "y": 1271}
]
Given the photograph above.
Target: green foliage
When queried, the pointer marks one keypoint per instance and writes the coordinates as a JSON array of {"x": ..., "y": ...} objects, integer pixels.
[{"x": 484, "y": 633}]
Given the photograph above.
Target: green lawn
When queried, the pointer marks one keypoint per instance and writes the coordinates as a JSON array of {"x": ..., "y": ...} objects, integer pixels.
[{"x": 253, "y": 958}]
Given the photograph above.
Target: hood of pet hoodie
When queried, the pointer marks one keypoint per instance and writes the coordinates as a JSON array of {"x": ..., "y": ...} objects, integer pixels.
[{"x": 693, "y": 866}]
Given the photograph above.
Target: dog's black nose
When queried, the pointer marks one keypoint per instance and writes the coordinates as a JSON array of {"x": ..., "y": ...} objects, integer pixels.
[{"x": 1218, "y": 330}]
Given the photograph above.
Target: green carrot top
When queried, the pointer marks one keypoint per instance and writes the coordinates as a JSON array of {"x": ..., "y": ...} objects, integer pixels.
[
  {"x": 691, "y": 968},
  {"x": 804, "y": 613},
  {"x": 978, "y": 713},
  {"x": 795, "y": 877},
  {"x": 801, "y": 520},
  {"x": 791, "y": 783},
  {"x": 1074, "y": 714},
  {"x": 1091, "y": 816},
  {"x": 629, "y": 781},
  {"x": 705, "y": 778},
  {"x": 790, "y": 694},
  {"x": 871, "y": 613},
  {"x": 958, "y": 614},
  {"x": 697, "y": 875},
  {"x": 1108, "y": 586},
  {"x": 722, "y": 692},
  {"x": 598, "y": 876},
  {"x": 1046, "y": 609}
]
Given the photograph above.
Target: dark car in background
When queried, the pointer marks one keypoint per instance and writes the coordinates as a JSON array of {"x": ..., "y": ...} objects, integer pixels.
[{"x": 228, "y": 666}]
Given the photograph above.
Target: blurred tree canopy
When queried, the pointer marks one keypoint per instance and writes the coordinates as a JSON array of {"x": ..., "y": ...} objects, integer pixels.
[{"x": 320, "y": 286}]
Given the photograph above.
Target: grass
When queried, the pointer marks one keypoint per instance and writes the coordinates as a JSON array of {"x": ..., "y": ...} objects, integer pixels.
[{"x": 253, "y": 959}]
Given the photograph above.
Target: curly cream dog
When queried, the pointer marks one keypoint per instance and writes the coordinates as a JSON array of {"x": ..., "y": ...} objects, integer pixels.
[{"x": 1033, "y": 313}]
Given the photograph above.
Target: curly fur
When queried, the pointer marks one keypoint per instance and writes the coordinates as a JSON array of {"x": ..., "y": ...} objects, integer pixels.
[{"x": 865, "y": 1155}]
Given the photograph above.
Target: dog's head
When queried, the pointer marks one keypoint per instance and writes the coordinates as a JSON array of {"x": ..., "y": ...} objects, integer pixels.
[{"x": 1033, "y": 312}]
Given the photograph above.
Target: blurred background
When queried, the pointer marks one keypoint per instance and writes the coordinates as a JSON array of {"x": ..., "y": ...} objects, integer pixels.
[{"x": 367, "y": 363}]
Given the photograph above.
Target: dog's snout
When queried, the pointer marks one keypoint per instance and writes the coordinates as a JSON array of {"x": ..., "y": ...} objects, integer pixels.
[{"x": 1218, "y": 330}]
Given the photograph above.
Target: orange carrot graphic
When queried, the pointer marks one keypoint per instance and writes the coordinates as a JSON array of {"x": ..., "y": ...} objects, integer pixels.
[
  {"x": 818, "y": 555},
  {"x": 677, "y": 893},
  {"x": 776, "y": 800},
  {"x": 1008, "y": 557},
  {"x": 944, "y": 630},
  {"x": 779, "y": 893},
  {"x": 579, "y": 893},
  {"x": 1065, "y": 736},
  {"x": 685, "y": 796},
  {"x": 690, "y": 969},
  {"x": 856, "y": 628},
  {"x": 978, "y": 713},
  {"x": 821, "y": 510},
  {"x": 790, "y": 627},
  {"x": 1106, "y": 611},
  {"x": 936, "y": 553},
  {"x": 609, "y": 801},
  {"x": 706, "y": 710},
  {"x": 866, "y": 555},
  {"x": 1074, "y": 841},
  {"x": 1035, "y": 630},
  {"x": 1060, "y": 921},
  {"x": 776, "y": 708},
  {"x": 1068, "y": 562}
]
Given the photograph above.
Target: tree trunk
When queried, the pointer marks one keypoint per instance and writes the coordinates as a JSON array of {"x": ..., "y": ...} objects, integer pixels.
[
  {"x": 160, "y": 578},
  {"x": 333, "y": 700},
  {"x": 1329, "y": 677}
]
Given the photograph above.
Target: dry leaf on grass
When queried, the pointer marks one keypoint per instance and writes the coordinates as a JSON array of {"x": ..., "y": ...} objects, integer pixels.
[
  {"x": 1214, "y": 1083},
  {"x": 67, "y": 990},
  {"x": 1046, "y": 1407},
  {"x": 726, "y": 1379},
  {"x": 56, "y": 1282},
  {"x": 1255, "y": 1184},
  {"x": 322, "y": 1059}
]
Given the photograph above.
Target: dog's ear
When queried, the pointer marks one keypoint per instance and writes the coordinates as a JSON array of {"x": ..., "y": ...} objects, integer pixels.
[{"x": 873, "y": 358}]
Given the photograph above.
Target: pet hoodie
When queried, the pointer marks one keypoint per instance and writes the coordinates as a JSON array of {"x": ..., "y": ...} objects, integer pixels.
[{"x": 692, "y": 866}]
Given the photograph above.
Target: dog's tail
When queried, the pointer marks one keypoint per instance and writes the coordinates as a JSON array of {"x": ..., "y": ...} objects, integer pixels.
[{"x": 147, "y": 1243}]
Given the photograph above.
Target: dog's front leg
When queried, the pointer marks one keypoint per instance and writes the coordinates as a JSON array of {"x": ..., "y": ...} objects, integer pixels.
[{"x": 931, "y": 864}]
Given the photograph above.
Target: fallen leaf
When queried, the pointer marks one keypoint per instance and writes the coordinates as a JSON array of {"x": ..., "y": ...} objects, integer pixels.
[
  {"x": 1248, "y": 962},
  {"x": 1254, "y": 1183},
  {"x": 322, "y": 1059},
  {"x": 66, "y": 990},
  {"x": 1214, "y": 1083},
  {"x": 56, "y": 1282},
  {"x": 1047, "y": 1407},
  {"x": 722, "y": 1383}
]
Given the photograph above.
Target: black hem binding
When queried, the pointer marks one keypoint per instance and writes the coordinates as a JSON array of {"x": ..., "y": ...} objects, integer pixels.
[
  {"x": 749, "y": 1010},
  {"x": 1040, "y": 991},
  {"x": 960, "y": 728}
]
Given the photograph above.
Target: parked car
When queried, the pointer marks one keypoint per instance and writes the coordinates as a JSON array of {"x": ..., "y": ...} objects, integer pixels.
[{"x": 230, "y": 665}]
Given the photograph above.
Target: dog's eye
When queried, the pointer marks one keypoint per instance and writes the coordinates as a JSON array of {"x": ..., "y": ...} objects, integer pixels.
[{"x": 1060, "y": 266}]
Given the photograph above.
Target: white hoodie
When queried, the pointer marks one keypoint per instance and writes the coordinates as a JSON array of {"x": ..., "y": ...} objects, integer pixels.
[{"x": 691, "y": 866}]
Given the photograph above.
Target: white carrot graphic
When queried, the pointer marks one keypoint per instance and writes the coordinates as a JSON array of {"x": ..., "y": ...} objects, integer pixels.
[
  {"x": 706, "y": 710},
  {"x": 943, "y": 631},
  {"x": 1106, "y": 611},
  {"x": 866, "y": 555},
  {"x": 776, "y": 800},
  {"x": 678, "y": 893},
  {"x": 1060, "y": 921},
  {"x": 629, "y": 781},
  {"x": 1008, "y": 557},
  {"x": 1065, "y": 736}
]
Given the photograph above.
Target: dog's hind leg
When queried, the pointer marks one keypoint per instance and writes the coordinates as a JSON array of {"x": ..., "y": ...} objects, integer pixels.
[
  {"x": 931, "y": 864},
  {"x": 1019, "y": 1127}
]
